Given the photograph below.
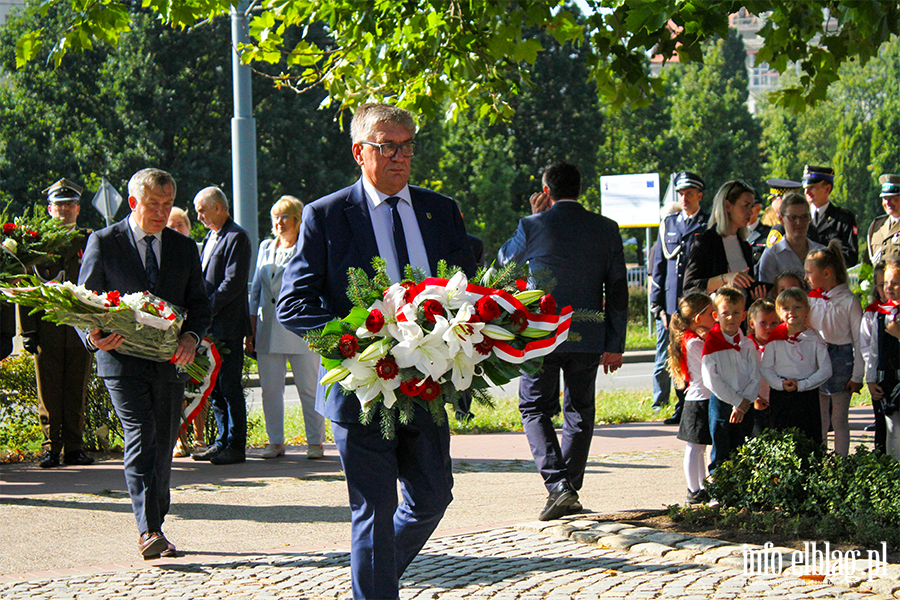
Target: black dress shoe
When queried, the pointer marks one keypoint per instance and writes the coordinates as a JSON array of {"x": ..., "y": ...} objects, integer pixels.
[
  {"x": 228, "y": 457},
  {"x": 558, "y": 502},
  {"x": 870, "y": 427},
  {"x": 673, "y": 420},
  {"x": 49, "y": 460},
  {"x": 207, "y": 454},
  {"x": 575, "y": 508},
  {"x": 77, "y": 458}
]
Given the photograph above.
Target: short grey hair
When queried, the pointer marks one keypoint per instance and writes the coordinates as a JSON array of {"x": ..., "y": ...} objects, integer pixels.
[
  {"x": 146, "y": 179},
  {"x": 215, "y": 195},
  {"x": 368, "y": 116}
]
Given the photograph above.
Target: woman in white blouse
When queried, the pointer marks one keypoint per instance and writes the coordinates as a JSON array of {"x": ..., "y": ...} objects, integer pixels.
[{"x": 274, "y": 345}]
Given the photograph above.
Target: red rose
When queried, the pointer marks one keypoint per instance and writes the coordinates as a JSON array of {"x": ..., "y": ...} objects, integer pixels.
[
  {"x": 113, "y": 297},
  {"x": 487, "y": 309},
  {"x": 431, "y": 308},
  {"x": 484, "y": 347},
  {"x": 430, "y": 390},
  {"x": 348, "y": 345},
  {"x": 410, "y": 387},
  {"x": 521, "y": 284},
  {"x": 8, "y": 228},
  {"x": 518, "y": 320},
  {"x": 548, "y": 304},
  {"x": 387, "y": 368},
  {"x": 375, "y": 321}
]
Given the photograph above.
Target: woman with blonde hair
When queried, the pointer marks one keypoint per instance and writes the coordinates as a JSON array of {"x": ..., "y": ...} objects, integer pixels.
[{"x": 274, "y": 345}]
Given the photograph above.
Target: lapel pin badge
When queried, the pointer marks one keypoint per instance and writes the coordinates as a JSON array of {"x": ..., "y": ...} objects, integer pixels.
[{"x": 428, "y": 214}]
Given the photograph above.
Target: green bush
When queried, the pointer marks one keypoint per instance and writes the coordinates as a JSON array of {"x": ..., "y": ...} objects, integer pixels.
[
  {"x": 637, "y": 305},
  {"x": 20, "y": 429},
  {"x": 854, "y": 498}
]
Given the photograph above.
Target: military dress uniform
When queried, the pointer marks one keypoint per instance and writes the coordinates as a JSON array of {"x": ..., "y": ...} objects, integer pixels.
[
  {"x": 837, "y": 223},
  {"x": 757, "y": 239},
  {"x": 883, "y": 239},
  {"x": 61, "y": 362}
]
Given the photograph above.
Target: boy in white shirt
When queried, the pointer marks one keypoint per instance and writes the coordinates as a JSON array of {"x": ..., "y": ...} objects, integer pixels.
[
  {"x": 731, "y": 372},
  {"x": 795, "y": 363}
]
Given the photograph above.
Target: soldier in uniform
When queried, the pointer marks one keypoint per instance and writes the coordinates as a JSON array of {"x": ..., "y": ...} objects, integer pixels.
[
  {"x": 883, "y": 240},
  {"x": 676, "y": 234},
  {"x": 829, "y": 220},
  {"x": 61, "y": 363},
  {"x": 778, "y": 188},
  {"x": 758, "y": 232}
]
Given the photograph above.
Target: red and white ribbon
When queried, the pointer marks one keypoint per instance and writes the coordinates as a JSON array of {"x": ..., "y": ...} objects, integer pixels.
[{"x": 201, "y": 396}]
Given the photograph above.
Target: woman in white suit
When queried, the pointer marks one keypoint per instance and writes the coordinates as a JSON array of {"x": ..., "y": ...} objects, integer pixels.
[{"x": 274, "y": 345}]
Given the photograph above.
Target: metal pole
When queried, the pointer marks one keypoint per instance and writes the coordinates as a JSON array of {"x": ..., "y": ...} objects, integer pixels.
[
  {"x": 243, "y": 134},
  {"x": 649, "y": 283}
]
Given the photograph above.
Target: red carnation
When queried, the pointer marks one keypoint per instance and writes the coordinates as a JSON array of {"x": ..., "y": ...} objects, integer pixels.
[
  {"x": 521, "y": 284},
  {"x": 387, "y": 368},
  {"x": 375, "y": 321},
  {"x": 430, "y": 390},
  {"x": 518, "y": 320},
  {"x": 484, "y": 347},
  {"x": 410, "y": 387},
  {"x": 113, "y": 297},
  {"x": 431, "y": 308},
  {"x": 487, "y": 309},
  {"x": 8, "y": 228},
  {"x": 348, "y": 345},
  {"x": 548, "y": 304},
  {"x": 409, "y": 286}
]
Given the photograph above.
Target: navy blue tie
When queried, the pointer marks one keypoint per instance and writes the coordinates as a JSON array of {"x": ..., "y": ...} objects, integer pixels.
[
  {"x": 399, "y": 235},
  {"x": 151, "y": 266}
]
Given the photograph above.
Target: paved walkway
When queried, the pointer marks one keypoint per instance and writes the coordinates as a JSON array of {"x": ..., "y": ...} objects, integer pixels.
[{"x": 65, "y": 532}]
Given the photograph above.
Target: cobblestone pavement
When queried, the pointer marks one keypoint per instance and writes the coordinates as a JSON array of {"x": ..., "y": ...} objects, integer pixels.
[{"x": 502, "y": 564}]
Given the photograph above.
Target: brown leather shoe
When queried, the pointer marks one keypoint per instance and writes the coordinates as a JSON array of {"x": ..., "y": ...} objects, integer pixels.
[
  {"x": 169, "y": 552},
  {"x": 152, "y": 544}
]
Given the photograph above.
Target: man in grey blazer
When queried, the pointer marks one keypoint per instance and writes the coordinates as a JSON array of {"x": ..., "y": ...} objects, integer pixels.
[
  {"x": 137, "y": 254},
  {"x": 583, "y": 252}
]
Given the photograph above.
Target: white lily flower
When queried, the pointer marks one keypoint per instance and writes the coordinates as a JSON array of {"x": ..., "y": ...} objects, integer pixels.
[
  {"x": 427, "y": 352},
  {"x": 461, "y": 335},
  {"x": 11, "y": 245},
  {"x": 366, "y": 384},
  {"x": 452, "y": 295}
]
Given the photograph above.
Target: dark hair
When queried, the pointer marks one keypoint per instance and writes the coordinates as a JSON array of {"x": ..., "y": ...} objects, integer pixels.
[
  {"x": 874, "y": 296},
  {"x": 563, "y": 180}
]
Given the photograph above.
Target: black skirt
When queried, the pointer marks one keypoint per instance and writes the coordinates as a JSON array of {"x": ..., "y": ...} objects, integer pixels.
[
  {"x": 695, "y": 422},
  {"x": 797, "y": 409}
]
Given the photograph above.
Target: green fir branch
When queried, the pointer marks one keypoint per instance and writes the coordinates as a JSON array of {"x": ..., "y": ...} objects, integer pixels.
[
  {"x": 587, "y": 315},
  {"x": 388, "y": 421}
]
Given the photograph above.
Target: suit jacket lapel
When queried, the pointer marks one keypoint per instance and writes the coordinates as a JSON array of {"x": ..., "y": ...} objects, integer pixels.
[
  {"x": 130, "y": 251},
  {"x": 428, "y": 227},
  {"x": 357, "y": 213}
]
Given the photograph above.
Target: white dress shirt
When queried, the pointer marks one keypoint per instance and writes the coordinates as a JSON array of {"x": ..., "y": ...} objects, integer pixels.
[
  {"x": 383, "y": 224},
  {"x": 804, "y": 359},
  {"x": 695, "y": 391},
  {"x": 838, "y": 320},
  {"x": 733, "y": 375}
]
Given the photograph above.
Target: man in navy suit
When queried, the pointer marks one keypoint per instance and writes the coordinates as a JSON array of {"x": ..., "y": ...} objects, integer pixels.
[
  {"x": 134, "y": 255},
  {"x": 380, "y": 215},
  {"x": 226, "y": 270},
  {"x": 677, "y": 233},
  {"x": 583, "y": 252}
]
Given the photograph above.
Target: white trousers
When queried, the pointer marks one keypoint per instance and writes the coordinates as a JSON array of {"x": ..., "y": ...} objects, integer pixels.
[{"x": 272, "y": 372}]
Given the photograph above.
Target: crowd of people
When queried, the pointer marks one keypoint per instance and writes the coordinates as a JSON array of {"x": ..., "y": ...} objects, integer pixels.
[
  {"x": 795, "y": 362},
  {"x": 777, "y": 342}
]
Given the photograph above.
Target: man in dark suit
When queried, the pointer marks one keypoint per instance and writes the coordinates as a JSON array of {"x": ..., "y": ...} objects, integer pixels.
[
  {"x": 380, "y": 215},
  {"x": 136, "y": 254},
  {"x": 226, "y": 271},
  {"x": 61, "y": 364},
  {"x": 828, "y": 219},
  {"x": 677, "y": 233},
  {"x": 583, "y": 252}
]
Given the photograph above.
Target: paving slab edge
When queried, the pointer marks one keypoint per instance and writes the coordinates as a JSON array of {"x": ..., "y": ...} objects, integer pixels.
[{"x": 690, "y": 549}]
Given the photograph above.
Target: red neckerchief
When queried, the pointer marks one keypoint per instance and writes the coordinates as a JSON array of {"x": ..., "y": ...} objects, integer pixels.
[
  {"x": 755, "y": 343},
  {"x": 888, "y": 308},
  {"x": 818, "y": 293},
  {"x": 781, "y": 333},
  {"x": 685, "y": 371},
  {"x": 716, "y": 342},
  {"x": 872, "y": 307}
]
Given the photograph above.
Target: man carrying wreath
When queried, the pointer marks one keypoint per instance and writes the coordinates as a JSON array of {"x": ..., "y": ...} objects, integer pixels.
[
  {"x": 380, "y": 215},
  {"x": 137, "y": 254}
]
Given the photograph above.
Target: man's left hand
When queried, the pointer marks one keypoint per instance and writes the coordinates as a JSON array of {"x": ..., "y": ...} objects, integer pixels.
[
  {"x": 611, "y": 362},
  {"x": 187, "y": 348}
]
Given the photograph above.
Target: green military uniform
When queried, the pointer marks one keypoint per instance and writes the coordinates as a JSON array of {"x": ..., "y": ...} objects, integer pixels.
[
  {"x": 62, "y": 364},
  {"x": 883, "y": 239}
]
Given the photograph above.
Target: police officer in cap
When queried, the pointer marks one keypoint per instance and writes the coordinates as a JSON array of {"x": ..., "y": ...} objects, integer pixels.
[
  {"x": 676, "y": 234},
  {"x": 883, "y": 239},
  {"x": 758, "y": 232},
  {"x": 61, "y": 363},
  {"x": 829, "y": 220}
]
